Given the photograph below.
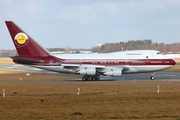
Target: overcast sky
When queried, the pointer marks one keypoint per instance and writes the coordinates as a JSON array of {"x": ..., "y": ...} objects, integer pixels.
[{"x": 85, "y": 23}]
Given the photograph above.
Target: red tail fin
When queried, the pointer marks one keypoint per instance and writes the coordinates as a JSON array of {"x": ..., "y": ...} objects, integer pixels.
[{"x": 24, "y": 44}]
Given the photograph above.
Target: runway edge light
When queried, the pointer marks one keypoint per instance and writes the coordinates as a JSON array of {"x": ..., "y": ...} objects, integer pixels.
[
  {"x": 4, "y": 94},
  {"x": 78, "y": 93},
  {"x": 158, "y": 89}
]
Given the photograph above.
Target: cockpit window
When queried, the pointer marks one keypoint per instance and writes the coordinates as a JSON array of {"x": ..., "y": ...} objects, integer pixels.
[{"x": 158, "y": 53}]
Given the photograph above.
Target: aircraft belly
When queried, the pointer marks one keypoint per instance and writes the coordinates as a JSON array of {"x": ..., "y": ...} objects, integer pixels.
[{"x": 135, "y": 69}]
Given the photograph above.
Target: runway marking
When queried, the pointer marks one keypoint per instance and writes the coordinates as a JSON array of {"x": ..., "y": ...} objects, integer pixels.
[
  {"x": 165, "y": 75},
  {"x": 9, "y": 67}
]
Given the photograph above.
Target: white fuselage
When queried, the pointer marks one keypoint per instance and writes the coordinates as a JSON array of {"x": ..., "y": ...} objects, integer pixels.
[{"x": 130, "y": 61}]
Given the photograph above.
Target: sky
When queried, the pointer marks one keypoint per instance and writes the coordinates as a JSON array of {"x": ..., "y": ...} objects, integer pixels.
[{"x": 85, "y": 23}]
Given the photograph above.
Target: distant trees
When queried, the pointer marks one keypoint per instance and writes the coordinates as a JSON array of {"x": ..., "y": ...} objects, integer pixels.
[
  {"x": 55, "y": 49},
  {"x": 146, "y": 44},
  {"x": 7, "y": 53}
]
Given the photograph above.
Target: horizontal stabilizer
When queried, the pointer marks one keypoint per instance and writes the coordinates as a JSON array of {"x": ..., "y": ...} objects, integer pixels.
[{"x": 26, "y": 60}]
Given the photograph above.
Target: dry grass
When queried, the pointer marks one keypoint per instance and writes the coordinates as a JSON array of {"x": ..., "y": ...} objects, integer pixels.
[
  {"x": 6, "y": 61},
  {"x": 3, "y": 72},
  {"x": 97, "y": 100},
  {"x": 177, "y": 60},
  {"x": 175, "y": 68}
]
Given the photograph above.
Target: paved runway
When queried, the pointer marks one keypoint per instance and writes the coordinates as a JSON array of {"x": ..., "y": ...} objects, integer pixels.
[
  {"x": 18, "y": 67},
  {"x": 160, "y": 76}
]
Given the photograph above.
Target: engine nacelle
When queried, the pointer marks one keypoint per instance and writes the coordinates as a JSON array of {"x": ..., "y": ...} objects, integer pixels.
[
  {"x": 87, "y": 71},
  {"x": 113, "y": 72}
]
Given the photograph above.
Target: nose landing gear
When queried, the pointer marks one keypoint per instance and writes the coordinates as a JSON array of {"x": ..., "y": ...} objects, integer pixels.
[{"x": 152, "y": 76}]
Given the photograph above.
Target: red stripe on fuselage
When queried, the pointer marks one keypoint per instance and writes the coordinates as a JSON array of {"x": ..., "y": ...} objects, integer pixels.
[
  {"x": 52, "y": 60},
  {"x": 112, "y": 62}
]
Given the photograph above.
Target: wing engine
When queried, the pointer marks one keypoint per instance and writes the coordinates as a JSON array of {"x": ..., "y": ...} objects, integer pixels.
[
  {"x": 113, "y": 72},
  {"x": 87, "y": 71}
]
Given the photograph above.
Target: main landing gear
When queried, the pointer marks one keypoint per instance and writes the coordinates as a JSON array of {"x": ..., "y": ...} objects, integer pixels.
[
  {"x": 90, "y": 78},
  {"x": 152, "y": 76}
]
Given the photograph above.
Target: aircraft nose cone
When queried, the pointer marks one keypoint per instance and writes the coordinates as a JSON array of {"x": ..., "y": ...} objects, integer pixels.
[{"x": 173, "y": 62}]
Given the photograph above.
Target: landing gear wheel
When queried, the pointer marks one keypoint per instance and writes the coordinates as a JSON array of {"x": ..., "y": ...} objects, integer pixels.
[
  {"x": 97, "y": 78},
  {"x": 83, "y": 78},
  {"x": 152, "y": 78},
  {"x": 92, "y": 78}
]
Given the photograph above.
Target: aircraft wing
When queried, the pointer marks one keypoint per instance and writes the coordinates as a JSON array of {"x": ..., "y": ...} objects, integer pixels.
[
  {"x": 102, "y": 70},
  {"x": 79, "y": 65}
]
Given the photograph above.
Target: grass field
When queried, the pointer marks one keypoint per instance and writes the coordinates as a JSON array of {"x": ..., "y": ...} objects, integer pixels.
[
  {"x": 175, "y": 68},
  {"x": 6, "y": 61},
  {"x": 97, "y": 100}
]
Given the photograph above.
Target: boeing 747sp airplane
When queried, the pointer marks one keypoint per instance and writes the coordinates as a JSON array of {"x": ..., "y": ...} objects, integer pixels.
[{"x": 91, "y": 66}]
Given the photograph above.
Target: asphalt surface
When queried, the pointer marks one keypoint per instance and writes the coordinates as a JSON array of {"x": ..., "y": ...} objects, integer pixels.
[
  {"x": 160, "y": 76},
  {"x": 23, "y": 68}
]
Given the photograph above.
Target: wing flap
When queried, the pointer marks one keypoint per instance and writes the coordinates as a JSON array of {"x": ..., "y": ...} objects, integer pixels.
[{"x": 79, "y": 65}]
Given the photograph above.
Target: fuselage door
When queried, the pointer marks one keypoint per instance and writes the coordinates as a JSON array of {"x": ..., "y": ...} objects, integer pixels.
[
  {"x": 80, "y": 61},
  {"x": 152, "y": 54}
]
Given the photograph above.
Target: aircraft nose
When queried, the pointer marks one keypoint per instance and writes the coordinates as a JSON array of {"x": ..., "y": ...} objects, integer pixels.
[{"x": 173, "y": 62}]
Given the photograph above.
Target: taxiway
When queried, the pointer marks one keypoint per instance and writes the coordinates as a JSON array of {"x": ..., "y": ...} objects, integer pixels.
[{"x": 160, "y": 76}]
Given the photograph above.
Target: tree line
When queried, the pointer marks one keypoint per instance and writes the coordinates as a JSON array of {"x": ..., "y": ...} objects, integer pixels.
[
  {"x": 146, "y": 44},
  {"x": 7, "y": 53}
]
